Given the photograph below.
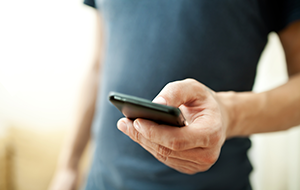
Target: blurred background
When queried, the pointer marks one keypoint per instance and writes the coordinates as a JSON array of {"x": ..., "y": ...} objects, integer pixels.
[{"x": 46, "y": 48}]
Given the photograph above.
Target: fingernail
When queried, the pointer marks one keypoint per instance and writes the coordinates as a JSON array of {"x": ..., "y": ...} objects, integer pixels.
[
  {"x": 160, "y": 100},
  {"x": 136, "y": 126},
  {"x": 122, "y": 126}
]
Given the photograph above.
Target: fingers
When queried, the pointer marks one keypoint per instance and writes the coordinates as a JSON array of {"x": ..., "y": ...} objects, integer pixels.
[
  {"x": 181, "y": 92},
  {"x": 178, "y": 139},
  {"x": 187, "y": 161},
  {"x": 171, "y": 137},
  {"x": 199, "y": 156},
  {"x": 192, "y": 154},
  {"x": 164, "y": 135}
]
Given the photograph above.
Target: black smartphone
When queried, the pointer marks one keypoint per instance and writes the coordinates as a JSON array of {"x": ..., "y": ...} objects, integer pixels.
[{"x": 134, "y": 107}]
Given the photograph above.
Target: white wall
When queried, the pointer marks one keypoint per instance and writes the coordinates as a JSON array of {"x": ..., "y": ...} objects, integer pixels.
[{"x": 45, "y": 48}]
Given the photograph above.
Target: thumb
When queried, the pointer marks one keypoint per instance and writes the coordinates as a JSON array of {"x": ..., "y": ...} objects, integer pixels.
[{"x": 181, "y": 92}]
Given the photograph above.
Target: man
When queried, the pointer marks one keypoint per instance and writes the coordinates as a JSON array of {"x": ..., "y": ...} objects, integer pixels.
[{"x": 217, "y": 45}]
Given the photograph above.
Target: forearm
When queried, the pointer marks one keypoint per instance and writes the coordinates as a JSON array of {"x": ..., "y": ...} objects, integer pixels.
[
  {"x": 79, "y": 136},
  {"x": 274, "y": 110},
  {"x": 76, "y": 143}
]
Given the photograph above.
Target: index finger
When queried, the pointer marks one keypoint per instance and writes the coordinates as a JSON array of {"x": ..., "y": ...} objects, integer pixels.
[{"x": 181, "y": 92}]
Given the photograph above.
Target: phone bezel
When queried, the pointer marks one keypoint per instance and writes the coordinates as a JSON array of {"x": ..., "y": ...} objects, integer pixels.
[{"x": 134, "y": 107}]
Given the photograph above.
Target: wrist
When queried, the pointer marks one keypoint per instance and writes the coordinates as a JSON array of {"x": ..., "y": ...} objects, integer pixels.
[
  {"x": 244, "y": 111},
  {"x": 229, "y": 110}
]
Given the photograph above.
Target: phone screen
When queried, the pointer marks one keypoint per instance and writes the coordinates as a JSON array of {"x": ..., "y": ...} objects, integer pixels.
[{"x": 134, "y": 107}]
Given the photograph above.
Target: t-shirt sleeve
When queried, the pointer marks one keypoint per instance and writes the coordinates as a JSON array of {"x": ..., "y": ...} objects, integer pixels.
[
  {"x": 90, "y": 3},
  {"x": 278, "y": 14},
  {"x": 290, "y": 12}
]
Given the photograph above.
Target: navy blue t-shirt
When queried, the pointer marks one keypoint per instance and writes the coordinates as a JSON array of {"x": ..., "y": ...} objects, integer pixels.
[{"x": 152, "y": 42}]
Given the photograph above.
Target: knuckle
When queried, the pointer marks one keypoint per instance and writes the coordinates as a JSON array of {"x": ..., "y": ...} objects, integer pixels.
[
  {"x": 149, "y": 134},
  {"x": 176, "y": 144},
  {"x": 164, "y": 151},
  {"x": 190, "y": 80},
  {"x": 193, "y": 82},
  {"x": 175, "y": 87},
  {"x": 170, "y": 85},
  {"x": 161, "y": 157},
  {"x": 137, "y": 136}
]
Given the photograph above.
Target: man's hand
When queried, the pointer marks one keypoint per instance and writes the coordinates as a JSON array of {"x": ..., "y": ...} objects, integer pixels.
[{"x": 192, "y": 148}]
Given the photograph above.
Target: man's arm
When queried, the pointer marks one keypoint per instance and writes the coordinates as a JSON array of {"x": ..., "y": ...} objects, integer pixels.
[
  {"x": 214, "y": 117},
  {"x": 67, "y": 172},
  {"x": 277, "y": 109}
]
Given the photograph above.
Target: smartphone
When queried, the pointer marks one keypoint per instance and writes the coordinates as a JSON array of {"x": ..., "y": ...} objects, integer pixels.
[{"x": 134, "y": 107}]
